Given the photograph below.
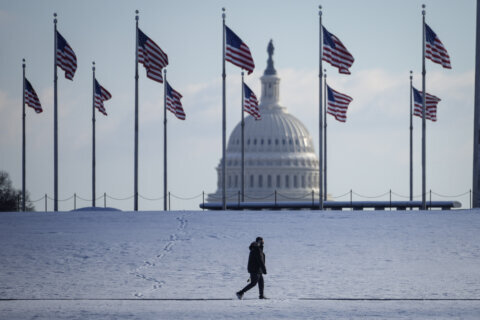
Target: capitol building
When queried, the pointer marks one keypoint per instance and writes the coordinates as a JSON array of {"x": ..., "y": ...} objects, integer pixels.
[{"x": 280, "y": 160}]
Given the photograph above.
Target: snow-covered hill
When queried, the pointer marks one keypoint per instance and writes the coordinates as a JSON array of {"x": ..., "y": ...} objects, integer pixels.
[{"x": 203, "y": 255}]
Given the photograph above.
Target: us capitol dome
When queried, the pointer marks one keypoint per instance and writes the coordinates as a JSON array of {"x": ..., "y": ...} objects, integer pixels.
[{"x": 280, "y": 160}]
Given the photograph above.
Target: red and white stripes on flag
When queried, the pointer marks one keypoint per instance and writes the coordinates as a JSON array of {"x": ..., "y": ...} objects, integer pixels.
[
  {"x": 337, "y": 104},
  {"x": 31, "y": 98},
  {"x": 65, "y": 57},
  {"x": 430, "y": 105},
  {"x": 434, "y": 49},
  {"x": 151, "y": 56},
  {"x": 250, "y": 103},
  {"x": 237, "y": 52},
  {"x": 335, "y": 53},
  {"x": 174, "y": 105},
  {"x": 101, "y": 94}
]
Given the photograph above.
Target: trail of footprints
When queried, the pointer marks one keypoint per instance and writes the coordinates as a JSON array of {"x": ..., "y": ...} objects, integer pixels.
[{"x": 142, "y": 271}]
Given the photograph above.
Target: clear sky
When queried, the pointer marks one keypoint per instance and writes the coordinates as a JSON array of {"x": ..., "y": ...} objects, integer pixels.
[{"x": 369, "y": 153}]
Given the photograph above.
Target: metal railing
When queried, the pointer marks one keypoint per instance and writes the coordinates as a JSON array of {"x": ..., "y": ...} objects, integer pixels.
[{"x": 236, "y": 196}]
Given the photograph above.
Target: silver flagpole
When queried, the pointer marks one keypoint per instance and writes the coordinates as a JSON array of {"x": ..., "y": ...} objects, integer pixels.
[
  {"x": 320, "y": 120},
  {"x": 165, "y": 141},
  {"x": 476, "y": 117},
  {"x": 424, "y": 201},
  {"x": 93, "y": 136},
  {"x": 135, "y": 192},
  {"x": 224, "y": 121},
  {"x": 55, "y": 126},
  {"x": 243, "y": 144},
  {"x": 23, "y": 140},
  {"x": 325, "y": 132},
  {"x": 411, "y": 138}
]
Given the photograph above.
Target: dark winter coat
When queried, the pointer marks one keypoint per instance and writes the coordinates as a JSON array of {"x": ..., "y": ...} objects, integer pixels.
[{"x": 256, "y": 259}]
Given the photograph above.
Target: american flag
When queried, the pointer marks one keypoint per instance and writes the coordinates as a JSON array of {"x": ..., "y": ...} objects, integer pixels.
[
  {"x": 66, "y": 58},
  {"x": 101, "y": 94},
  {"x": 337, "y": 104},
  {"x": 151, "y": 56},
  {"x": 250, "y": 103},
  {"x": 335, "y": 53},
  {"x": 238, "y": 52},
  {"x": 174, "y": 104},
  {"x": 31, "y": 98},
  {"x": 434, "y": 49},
  {"x": 430, "y": 105}
]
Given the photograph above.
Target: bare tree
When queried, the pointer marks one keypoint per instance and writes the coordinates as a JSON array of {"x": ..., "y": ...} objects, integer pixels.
[{"x": 10, "y": 198}]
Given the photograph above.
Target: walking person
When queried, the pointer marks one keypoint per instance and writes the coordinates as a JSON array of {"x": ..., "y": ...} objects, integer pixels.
[{"x": 256, "y": 268}]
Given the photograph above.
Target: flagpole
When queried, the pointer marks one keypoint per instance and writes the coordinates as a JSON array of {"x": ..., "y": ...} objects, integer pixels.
[
  {"x": 55, "y": 125},
  {"x": 224, "y": 125},
  {"x": 424, "y": 203},
  {"x": 476, "y": 117},
  {"x": 165, "y": 141},
  {"x": 243, "y": 143},
  {"x": 23, "y": 139},
  {"x": 135, "y": 192},
  {"x": 325, "y": 131},
  {"x": 320, "y": 139},
  {"x": 93, "y": 136},
  {"x": 411, "y": 139}
]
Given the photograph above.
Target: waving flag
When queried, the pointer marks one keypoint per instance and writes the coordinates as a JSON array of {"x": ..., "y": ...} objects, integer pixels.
[
  {"x": 31, "y": 98},
  {"x": 430, "y": 105},
  {"x": 337, "y": 104},
  {"x": 151, "y": 56},
  {"x": 238, "y": 52},
  {"x": 101, "y": 94},
  {"x": 66, "y": 58},
  {"x": 250, "y": 103},
  {"x": 174, "y": 104},
  {"x": 335, "y": 53},
  {"x": 434, "y": 49}
]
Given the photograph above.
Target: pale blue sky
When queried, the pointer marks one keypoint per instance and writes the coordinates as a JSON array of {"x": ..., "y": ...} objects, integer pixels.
[{"x": 368, "y": 154}]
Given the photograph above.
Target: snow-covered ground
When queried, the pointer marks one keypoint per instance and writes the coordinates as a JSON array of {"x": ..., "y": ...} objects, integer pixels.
[{"x": 117, "y": 262}]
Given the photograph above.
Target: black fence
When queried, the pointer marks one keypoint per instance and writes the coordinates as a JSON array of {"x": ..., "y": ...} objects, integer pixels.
[{"x": 105, "y": 200}]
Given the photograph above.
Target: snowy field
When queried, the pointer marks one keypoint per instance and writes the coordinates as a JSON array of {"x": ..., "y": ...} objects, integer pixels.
[{"x": 156, "y": 265}]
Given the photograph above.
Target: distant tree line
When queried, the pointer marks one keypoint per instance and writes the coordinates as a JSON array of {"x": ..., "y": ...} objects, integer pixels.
[{"x": 10, "y": 198}]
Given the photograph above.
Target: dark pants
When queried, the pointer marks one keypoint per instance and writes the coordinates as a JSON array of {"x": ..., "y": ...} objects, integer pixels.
[{"x": 254, "y": 279}]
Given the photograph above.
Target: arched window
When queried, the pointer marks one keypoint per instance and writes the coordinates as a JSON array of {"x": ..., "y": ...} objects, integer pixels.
[
  {"x": 260, "y": 181},
  {"x": 303, "y": 182},
  {"x": 279, "y": 181},
  {"x": 287, "y": 181},
  {"x": 295, "y": 182},
  {"x": 269, "y": 181}
]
